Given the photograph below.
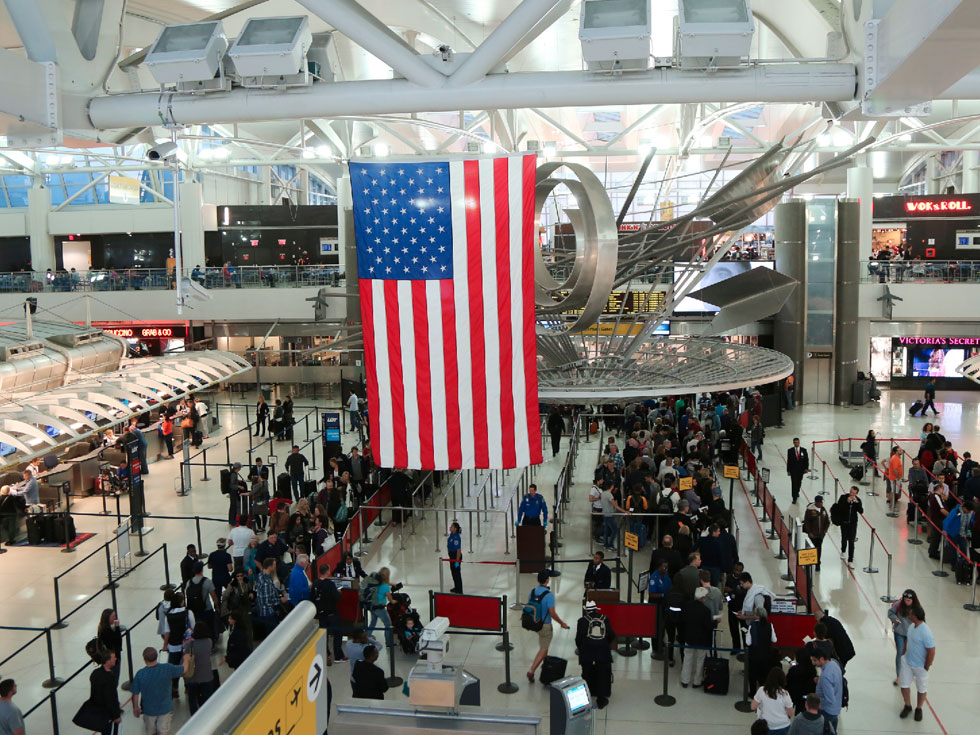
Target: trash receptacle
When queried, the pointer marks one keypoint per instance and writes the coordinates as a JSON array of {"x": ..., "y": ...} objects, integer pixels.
[{"x": 267, "y": 392}]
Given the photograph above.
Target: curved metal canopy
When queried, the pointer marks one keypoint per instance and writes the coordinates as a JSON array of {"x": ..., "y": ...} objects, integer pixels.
[
  {"x": 664, "y": 366},
  {"x": 85, "y": 407}
]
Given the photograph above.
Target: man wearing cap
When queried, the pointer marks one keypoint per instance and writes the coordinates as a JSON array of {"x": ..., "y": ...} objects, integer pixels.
[
  {"x": 816, "y": 523},
  {"x": 543, "y": 596},
  {"x": 533, "y": 510},
  {"x": 594, "y": 639},
  {"x": 221, "y": 565}
]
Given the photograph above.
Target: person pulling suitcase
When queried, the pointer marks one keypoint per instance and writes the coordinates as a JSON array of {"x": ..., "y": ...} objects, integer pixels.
[
  {"x": 538, "y": 613},
  {"x": 594, "y": 639}
]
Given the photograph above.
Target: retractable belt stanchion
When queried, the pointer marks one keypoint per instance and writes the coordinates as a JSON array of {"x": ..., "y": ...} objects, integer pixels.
[
  {"x": 664, "y": 699},
  {"x": 972, "y": 606}
]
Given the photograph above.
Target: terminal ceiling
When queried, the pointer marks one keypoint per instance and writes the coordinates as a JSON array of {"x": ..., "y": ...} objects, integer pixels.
[{"x": 608, "y": 138}]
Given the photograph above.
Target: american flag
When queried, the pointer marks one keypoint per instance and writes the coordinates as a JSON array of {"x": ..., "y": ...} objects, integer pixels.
[{"x": 446, "y": 271}]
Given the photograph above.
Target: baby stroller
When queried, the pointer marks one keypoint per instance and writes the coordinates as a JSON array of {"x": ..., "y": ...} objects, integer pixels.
[
  {"x": 405, "y": 622},
  {"x": 109, "y": 483}
]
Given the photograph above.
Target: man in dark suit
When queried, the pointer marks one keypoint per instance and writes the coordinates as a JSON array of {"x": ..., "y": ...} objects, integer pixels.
[
  {"x": 349, "y": 567},
  {"x": 369, "y": 680},
  {"x": 797, "y": 465},
  {"x": 598, "y": 576},
  {"x": 666, "y": 553}
]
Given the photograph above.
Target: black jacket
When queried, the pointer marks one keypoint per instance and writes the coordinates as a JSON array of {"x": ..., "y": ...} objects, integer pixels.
[
  {"x": 341, "y": 569},
  {"x": 325, "y": 596},
  {"x": 600, "y": 577},
  {"x": 295, "y": 463},
  {"x": 697, "y": 623},
  {"x": 842, "y": 641},
  {"x": 369, "y": 681},
  {"x": 239, "y": 645},
  {"x": 796, "y": 466},
  {"x": 589, "y": 651},
  {"x": 669, "y": 555},
  {"x": 103, "y": 692}
]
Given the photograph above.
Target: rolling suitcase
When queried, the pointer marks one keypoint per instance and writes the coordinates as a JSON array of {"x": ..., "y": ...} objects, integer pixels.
[
  {"x": 244, "y": 510},
  {"x": 915, "y": 408},
  {"x": 309, "y": 488},
  {"x": 715, "y": 671},
  {"x": 553, "y": 669},
  {"x": 34, "y": 533},
  {"x": 283, "y": 487},
  {"x": 964, "y": 571}
]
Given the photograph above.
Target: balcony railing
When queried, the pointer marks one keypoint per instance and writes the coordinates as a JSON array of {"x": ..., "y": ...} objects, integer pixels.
[
  {"x": 161, "y": 279},
  {"x": 920, "y": 271}
]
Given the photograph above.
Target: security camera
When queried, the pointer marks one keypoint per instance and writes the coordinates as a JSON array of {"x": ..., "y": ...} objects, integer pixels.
[
  {"x": 445, "y": 52},
  {"x": 167, "y": 151}
]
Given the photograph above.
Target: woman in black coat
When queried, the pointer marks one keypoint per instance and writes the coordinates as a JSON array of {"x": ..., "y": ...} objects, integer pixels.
[
  {"x": 104, "y": 695},
  {"x": 239, "y": 639},
  {"x": 109, "y": 636}
]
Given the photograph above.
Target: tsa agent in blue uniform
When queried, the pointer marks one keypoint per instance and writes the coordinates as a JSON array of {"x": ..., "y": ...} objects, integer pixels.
[
  {"x": 455, "y": 548},
  {"x": 533, "y": 510}
]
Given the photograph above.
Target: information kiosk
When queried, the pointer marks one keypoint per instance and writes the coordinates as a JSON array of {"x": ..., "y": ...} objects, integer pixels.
[{"x": 571, "y": 707}]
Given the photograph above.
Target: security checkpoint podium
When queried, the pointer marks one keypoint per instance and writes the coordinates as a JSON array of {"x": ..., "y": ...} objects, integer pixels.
[{"x": 531, "y": 549}]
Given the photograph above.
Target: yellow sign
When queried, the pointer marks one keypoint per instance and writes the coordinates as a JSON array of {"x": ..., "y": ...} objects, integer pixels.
[
  {"x": 731, "y": 471},
  {"x": 124, "y": 190},
  {"x": 606, "y": 329},
  {"x": 289, "y": 704},
  {"x": 632, "y": 541},
  {"x": 686, "y": 483},
  {"x": 806, "y": 557}
]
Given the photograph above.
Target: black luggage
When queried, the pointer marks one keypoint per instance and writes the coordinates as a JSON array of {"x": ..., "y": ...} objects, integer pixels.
[
  {"x": 553, "y": 669},
  {"x": 225, "y": 481},
  {"x": 915, "y": 408},
  {"x": 49, "y": 533},
  {"x": 964, "y": 571},
  {"x": 283, "y": 487},
  {"x": 857, "y": 474},
  {"x": 309, "y": 488},
  {"x": 715, "y": 672},
  {"x": 34, "y": 532}
]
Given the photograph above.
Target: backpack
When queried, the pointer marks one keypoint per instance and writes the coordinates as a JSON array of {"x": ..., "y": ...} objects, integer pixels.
[
  {"x": 194, "y": 597},
  {"x": 532, "y": 617},
  {"x": 951, "y": 523},
  {"x": 838, "y": 513},
  {"x": 369, "y": 588},
  {"x": 845, "y": 695},
  {"x": 341, "y": 514},
  {"x": 595, "y": 629},
  {"x": 665, "y": 504}
]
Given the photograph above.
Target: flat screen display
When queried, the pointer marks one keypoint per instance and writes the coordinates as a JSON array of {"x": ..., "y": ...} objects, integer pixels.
[
  {"x": 721, "y": 271},
  {"x": 578, "y": 698},
  {"x": 935, "y": 362}
]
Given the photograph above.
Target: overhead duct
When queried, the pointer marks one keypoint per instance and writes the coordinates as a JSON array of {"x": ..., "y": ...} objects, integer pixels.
[{"x": 779, "y": 83}]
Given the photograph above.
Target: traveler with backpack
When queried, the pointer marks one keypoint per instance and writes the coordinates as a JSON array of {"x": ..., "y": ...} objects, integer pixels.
[
  {"x": 202, "y": 600},
  {"x": 381, "y": 587},
  {"x": 594, "y": 639},
  {"x": 816, "y": 523},
  {"x": 846, "y": 513},
  {"x": 538, "y": 613},
  {"x": 759, "y": 640},
  {"x": 698, "y": 627},
  {"x": 179, "y": 623},
  {"x": 830, "y": 687}
]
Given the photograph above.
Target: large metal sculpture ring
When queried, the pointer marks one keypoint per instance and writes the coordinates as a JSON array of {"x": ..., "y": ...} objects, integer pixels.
[{"x": 591, "y": 279}]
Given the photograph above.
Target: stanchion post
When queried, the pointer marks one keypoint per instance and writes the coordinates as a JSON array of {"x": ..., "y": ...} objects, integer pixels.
[
  {"x": 517, "y": 587},
  {"x": 887, "y": 597},
  {"x": 129, "y": 663},
  {"x": 227, "y": 451},
  {"x": 69, "y": 549},
  {"x": 392, "y": 680},
  {"x": 665, "y": 699},
  {"x": 59, "y": 623},
  {"x": 166, "y": 570},
  {"x": 942, "y": 553},
  {"x": 745, "y": 704},
  {"x": 972, "y": 606},
  {"x": 200, "y": 545},
  {"x": 204, "y": 460},
  {"x": 871, "y": 569},
  {"x": 504, "y": 644},
  {"x": 508, "y": 687},
  {"x": 52, "y": 680},
  {"x": 442, "y": 580},
  {"x": 916, "y": 541}
]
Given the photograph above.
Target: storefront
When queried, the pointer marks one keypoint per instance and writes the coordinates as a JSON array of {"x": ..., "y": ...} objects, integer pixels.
[
  {"x": 911, "y": 362},
  {"x": 926, "y": 227},
  {"x": 147, "y": 338}
]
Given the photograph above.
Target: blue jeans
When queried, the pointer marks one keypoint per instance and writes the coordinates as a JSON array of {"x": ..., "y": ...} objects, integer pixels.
[
  {"x": 899, "y": 650},
  {"x": 197, "y": 694},
  {"x": 757, "y": 447},
  {"x": 381, "y": 613},
  {"x": 610, "y": 532},
  {"x": 829, "y": 723},
  {"x": 779, "y": 731},
  {"x": 789, "y": 400}
]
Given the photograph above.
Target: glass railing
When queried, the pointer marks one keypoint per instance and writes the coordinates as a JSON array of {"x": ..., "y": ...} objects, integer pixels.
[
  {"x": 158, "y": 279},
  {"x": 920, "y": 271}
]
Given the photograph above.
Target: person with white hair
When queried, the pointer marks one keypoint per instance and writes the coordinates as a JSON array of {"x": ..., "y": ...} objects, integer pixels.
[{"x": 299, "y": 583}]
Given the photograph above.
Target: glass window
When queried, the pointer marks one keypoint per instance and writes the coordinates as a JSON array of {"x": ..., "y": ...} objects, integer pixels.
[{"x": 17, "y": 197}]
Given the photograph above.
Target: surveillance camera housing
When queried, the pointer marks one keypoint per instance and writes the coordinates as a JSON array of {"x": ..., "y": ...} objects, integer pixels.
[{"x": 167, "y": 151}]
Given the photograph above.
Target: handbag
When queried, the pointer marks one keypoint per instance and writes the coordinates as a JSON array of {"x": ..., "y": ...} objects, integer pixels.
[
  {"x": 187, "y": 423},
  {"x": 189, "y": 674},
  {"x": 90, "y": 717}
]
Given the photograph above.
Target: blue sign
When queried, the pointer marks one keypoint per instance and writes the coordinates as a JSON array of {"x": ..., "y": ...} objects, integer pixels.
[{"x": 331, "y": 426}]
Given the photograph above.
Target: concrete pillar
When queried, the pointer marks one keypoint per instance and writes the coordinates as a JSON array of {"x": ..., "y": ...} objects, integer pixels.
[
  {"x": 347, "y": 248},
  {"x": 265, "y": 196},
  {"x": 42, "y": 244},
  {"x": 932, "y": 174},
  {"x": 864, "y": 346},
  {"x": 846, "y": 301},
  {"x": 192, "y": 223},
  {"x": 304, "y": 186},
  {"x": 789, "y": 325},
  {"x": 971, "y": 173},
  {"x": 860, "y": 187}
]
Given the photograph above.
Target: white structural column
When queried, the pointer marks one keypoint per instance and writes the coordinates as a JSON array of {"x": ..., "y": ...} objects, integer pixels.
[
  {"x": 42, "y": 244},
  {"x": 345, "y": 229},
  {"x": 860, "y": 186},
  {"x": 192, "y": 223},
  {"x": 971, "y": 176},
  {"x": 304, "y": 186},
  {"x": 932, "y": 174}
]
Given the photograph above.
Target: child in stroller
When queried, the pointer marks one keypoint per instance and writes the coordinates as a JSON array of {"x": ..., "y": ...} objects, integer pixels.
[{"x": 405, "y": 622}]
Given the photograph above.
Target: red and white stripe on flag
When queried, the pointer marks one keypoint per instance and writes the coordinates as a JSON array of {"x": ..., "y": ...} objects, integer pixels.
[{"x": 451, "y": 364}]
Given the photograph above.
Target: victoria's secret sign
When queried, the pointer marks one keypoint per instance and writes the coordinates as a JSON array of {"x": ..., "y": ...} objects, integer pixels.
[{"x": 939, "y": 341}]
